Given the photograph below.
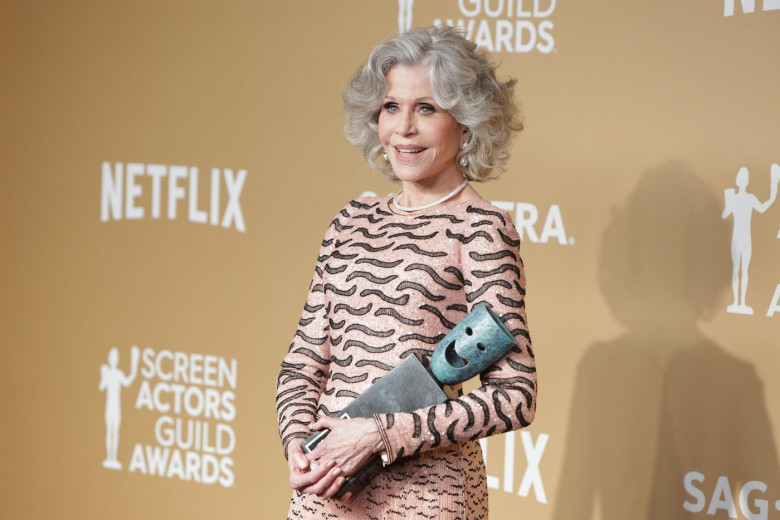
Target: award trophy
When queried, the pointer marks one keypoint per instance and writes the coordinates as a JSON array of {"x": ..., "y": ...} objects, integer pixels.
[{"x": 478, "y": 341}]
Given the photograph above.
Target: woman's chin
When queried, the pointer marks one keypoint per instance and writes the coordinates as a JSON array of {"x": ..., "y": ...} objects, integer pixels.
[
  {"x": 424, "y": 174},
  {"x": 412, "y": 174}
]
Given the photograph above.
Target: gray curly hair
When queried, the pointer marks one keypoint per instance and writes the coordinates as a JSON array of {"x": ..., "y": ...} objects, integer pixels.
[{"x": 463, "y": 81}]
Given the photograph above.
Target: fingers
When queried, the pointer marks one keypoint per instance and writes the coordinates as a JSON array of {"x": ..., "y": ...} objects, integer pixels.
[
  {"x": 304, "y": 481},
  {"x": 335, "y": 485},
  {"x": 300, "y": 460},
  {"x": 296, "y": 457},
  {"x": 323, "y": 423},
  {"x": 328, "y": 485}
]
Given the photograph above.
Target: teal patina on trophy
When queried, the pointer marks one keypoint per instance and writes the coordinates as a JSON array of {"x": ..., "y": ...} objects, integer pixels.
[{"x": 475, "y": 343}]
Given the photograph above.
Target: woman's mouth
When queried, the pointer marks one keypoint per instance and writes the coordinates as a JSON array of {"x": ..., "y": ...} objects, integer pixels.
[{"x": 408, "y": 151}]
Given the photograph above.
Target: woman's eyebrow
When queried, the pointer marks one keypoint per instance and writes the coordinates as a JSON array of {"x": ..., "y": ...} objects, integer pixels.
[{"x": 427, "y": 99}]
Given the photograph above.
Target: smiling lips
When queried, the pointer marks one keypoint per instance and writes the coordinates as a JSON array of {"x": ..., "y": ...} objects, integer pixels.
[{"x": 408, "y": 151}]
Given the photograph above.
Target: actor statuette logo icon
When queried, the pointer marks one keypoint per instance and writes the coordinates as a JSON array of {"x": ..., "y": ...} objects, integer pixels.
[
  {"x": 112, "y": 379},
  {"x": 405, "y": 15},
  {"x": 740, "y": 204}
]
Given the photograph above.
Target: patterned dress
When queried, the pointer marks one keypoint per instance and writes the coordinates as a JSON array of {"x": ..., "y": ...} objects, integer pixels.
[{"x": 387, "y": 286}]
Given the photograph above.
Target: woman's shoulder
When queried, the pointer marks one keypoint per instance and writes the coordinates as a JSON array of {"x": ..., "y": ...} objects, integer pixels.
[
  {"x": 480, "y": 206},
  {"x": 368, "y": 201},
  {"x": 363, "y": 204},
  {"x": 481, "y": 214}
]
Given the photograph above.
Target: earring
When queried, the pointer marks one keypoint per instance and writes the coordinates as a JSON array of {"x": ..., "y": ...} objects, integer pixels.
[
  {"x": 463, "y": 159},
  {"x": 384, "y": 154}
]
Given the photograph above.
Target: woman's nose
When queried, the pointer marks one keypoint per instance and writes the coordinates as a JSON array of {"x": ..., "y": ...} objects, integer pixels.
[{"x": 405, "y": 124}]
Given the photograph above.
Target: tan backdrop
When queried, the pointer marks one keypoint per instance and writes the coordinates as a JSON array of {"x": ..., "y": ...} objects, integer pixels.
[{"x": 168, "y": 169}]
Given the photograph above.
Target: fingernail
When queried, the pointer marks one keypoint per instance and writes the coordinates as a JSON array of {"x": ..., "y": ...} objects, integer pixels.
[
  {"x": 340, "y": 481},
  {"x": 347, "y": 495},
  {"x": 331, "y": 463},
  {"x": 336, "y": 472},
  {"x": 303, "y": 464},
  {"x": 314, "y": 464}
]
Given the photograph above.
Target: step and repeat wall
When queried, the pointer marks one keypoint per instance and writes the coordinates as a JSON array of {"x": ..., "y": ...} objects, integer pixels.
[{"x": 168, "y": 170}]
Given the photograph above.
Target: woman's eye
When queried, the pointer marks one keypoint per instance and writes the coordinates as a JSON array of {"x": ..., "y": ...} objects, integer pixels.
[
  {"x": 427, "y": 109},
  {"x": 390, "y": 107}
]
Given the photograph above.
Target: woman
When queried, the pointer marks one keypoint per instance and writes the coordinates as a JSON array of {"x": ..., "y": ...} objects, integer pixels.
[{"x": 395, "y": 274}]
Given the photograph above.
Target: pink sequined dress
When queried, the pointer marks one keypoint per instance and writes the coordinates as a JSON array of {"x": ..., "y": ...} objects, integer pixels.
[{"x": 387, "y": 286}]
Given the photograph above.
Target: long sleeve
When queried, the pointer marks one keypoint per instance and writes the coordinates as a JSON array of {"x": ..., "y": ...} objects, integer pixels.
[
  {"x": 493, "y": 273},
  {"x": 305, "y": 368}
]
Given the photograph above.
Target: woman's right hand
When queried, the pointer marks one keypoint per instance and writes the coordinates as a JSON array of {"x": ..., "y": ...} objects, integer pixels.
[{"x": 323, "y": 480}]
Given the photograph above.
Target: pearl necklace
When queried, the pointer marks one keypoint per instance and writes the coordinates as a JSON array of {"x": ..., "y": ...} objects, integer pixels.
[{"x": 432, "y": 204}]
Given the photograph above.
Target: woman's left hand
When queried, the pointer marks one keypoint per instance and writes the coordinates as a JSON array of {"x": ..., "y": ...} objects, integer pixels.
[{"x": 349, "y": 445}]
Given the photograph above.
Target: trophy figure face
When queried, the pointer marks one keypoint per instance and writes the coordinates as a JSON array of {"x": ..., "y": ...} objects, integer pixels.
[{"x": 475, "y": 343}]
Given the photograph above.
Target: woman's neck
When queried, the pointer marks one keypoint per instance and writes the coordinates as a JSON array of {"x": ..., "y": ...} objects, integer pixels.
[
  {"x": 459, "y": 193},
  {"x": 419, "y": 193}
]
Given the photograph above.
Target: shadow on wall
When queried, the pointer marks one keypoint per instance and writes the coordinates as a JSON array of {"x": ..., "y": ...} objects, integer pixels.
[{"x": 662, "y": 400}]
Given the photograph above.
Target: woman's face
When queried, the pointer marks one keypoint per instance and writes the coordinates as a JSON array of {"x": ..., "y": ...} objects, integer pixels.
[{"x": 421, "y": 139}]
